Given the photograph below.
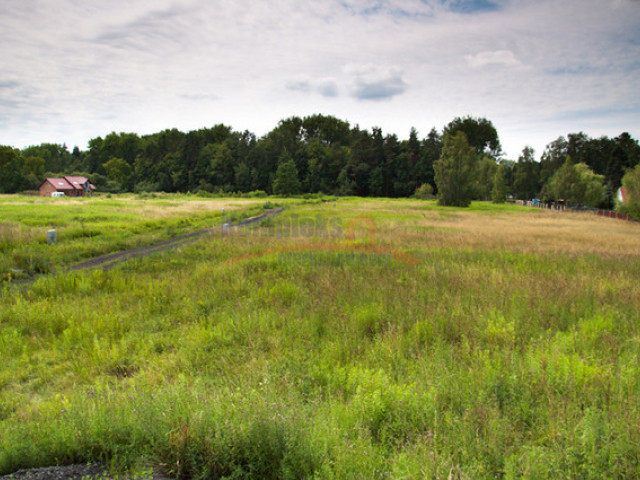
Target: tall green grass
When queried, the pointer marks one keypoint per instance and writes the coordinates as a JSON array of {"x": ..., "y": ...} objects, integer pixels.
[
  {"x": 89, "y": 227},
  {"x": 471, "y": 364}
]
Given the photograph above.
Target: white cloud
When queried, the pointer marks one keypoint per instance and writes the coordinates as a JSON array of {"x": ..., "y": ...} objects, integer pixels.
[
  {"x": 497, "y": 57},
  {"x": 72, "y": 70}
]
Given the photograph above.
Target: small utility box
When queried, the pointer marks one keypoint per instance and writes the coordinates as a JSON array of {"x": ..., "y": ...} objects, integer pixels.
[{"x": 52, "y": 237}]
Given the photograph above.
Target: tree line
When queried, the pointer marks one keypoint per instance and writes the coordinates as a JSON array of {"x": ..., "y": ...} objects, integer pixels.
[{"x": 321, "y": 153}]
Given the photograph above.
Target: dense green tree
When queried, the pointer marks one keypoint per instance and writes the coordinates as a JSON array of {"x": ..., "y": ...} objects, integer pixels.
[
  {"x": 119, "y": 170},
  {"x": 378, "y": 171},
  {"x": 455, "y": 171},
  {"x": 216, "y": 166},
  {"x": 286, "y": 181},
  {"x": 122, "y": 145},
  {"x": 318, "y": 158},
  {"x": 329, "y": 155},
  {"x": 12, "y": 173},
  {"x": 79, "y": 159},
  {"x": 56, "y": 157},
  {"x": 430, "y": 151},
  {"x": 358, "y": 167},
  {"x": 263, "y": 165},
  {"x": 625, "y": 155},
  {"x": 325, "y": 129},
  {"x": 403, "y": 175},
  {"x": 406, "y": 166},
  {"x": 499, "y": 190},
  {"x": 313, "y": 180},
  {"x": 485, "y": 172},
  {"x": 243, "y": 177},
  {"x": 509, "y": 173},
  {"x": 526, "y": 181},
  {"x": 576, "y": 184},
  {"x": 376, "y": 182},
  {"x": 172, "y": 176},
  {"x": 34, "y": 166},
  {"x": 101, "y": 182},
  {"x": 592, "y": 186},
  {"x": 394, "y": 166},
  {"x": 631, "y": 184},
  {"x": 288, "y": 135},
  {"x": 95, "y": 157},
  {"x": 480, "y": 134},
  {"x": 553, "y": 157},
  {"x": 346, "y": 184},
  {"x": 33, "y": 169},
  {"x": 222, "y": 167},
  {"x": 605, "y": 156}
]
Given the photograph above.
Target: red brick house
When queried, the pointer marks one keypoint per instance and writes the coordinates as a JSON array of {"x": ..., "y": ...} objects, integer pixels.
[{"x": 70, "y": 186}]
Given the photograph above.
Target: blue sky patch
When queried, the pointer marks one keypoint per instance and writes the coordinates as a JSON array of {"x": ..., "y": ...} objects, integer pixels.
[{"x": 473, "y": 6}]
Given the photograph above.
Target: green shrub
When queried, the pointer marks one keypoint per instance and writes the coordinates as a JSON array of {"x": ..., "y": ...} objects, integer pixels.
[{"x": 424, "y": 192}]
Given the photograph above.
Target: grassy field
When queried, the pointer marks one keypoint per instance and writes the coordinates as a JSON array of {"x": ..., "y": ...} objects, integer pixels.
[
  {"x": 355, "y": 338},
  {"x": 87, "y": 227}
]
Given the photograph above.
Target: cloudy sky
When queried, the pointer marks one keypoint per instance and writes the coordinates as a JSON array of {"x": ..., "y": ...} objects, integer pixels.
[{"x": 71, "y": 70}]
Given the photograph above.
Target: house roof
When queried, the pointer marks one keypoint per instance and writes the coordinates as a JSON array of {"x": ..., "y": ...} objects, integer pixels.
[
  {"x": 68, "y": 183},
  {"x": 76, "y": 182},
  {"x": 59, "y": 183}
]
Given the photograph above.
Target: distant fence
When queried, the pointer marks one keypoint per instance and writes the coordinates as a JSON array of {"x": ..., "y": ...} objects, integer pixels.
[
  {"x": 548, "y": 205},
  {"x": 612, "y": 214},
  {"x": 560, "y": 206}
]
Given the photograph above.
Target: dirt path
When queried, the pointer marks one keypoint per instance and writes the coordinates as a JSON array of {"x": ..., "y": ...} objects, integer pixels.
[{"x": 110, "y": 260}]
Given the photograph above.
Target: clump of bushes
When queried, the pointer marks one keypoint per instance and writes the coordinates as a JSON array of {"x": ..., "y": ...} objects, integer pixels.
[{"x": 424, "y": 192}]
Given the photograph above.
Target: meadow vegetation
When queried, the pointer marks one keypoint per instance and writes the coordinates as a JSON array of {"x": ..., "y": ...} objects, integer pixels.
[
  {"x": 87, "y": 227},
  {"x": 508, "y": 349}
]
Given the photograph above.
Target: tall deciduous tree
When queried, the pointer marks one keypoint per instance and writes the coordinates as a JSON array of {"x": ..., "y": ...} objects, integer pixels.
[
  {"x": 480, "y": 134},
  {"x": 286, "y": 181},
  {"x": 12, "y": 173},
  {"x": 526, "y": 182},
  {"x": 553, "y": 157},
  {"x": 431, "y": 149},
  {"x": 118, "y": 170},
  {"x": 56, "y": 157},
  {"x": 499, "y": 190},
  {"x": 577, "y": 184},
  {"x": 455, "y": 171},
  {"x": 243, "y": 177},
  {"x": 485, "y": 172},
  {"x": 631, "y": 184}
]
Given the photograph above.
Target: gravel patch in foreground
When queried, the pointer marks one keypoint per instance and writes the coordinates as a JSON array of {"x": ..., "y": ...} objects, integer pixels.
[
  {"x": 70, "y": 472},
  {"x": 75, "y": 472}
]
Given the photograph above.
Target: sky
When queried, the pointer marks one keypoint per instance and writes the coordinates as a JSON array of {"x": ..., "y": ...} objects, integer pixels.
[{"x": 72, "y": 70}]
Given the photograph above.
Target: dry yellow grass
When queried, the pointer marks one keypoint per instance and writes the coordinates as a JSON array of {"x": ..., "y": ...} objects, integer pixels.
[
  {"x": 538, "y": 231},
  {"x": 14, "y": 233},
  {"x": 545, "y": 232},
  {"x": 152, "y": 210}
]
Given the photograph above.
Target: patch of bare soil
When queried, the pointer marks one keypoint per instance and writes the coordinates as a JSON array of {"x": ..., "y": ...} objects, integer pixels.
[{"x": 91, "y": 471}]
